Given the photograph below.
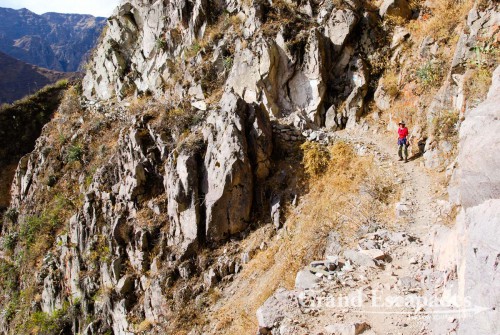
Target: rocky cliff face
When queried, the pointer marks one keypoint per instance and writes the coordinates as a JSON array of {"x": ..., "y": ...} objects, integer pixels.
[
  {"x": 195, "y": 194},
  {"x": 298, "y": 64},
  {"x": 59, "y": 42},
  {"x": 148, "y": 194},
  {"x": 470, "y": 250}
]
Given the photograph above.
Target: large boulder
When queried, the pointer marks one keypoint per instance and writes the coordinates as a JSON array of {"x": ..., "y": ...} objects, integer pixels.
[
  {"x": 306, "y": 280},
  {"x": 248, "y": 70},
  {"x": 260, "y": 74},
  {"x": 307, "y": 87},
  {"x": 359, "y": 258},
  {"x": 293, "y": 77},
  {"x": 339, "y": 27},
  {"x": 346, "y": 328},
  {"x": 355, "y": 103},
  {"x": 182, "y": 183},
  {"x": 331, "y": 122},
  {"x": 382, "y": 98},
  {"x": 233, "y": 145},
  {"x": 274, "y": 310}
]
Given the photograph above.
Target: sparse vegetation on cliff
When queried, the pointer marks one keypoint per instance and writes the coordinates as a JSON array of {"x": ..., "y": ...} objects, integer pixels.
[
  {"x": 328, "y": 205},
  {"x": 193, "y": 174}
]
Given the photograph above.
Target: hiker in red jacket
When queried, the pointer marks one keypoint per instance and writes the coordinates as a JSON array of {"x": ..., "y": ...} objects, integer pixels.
[{"x": 403, "y": 141}]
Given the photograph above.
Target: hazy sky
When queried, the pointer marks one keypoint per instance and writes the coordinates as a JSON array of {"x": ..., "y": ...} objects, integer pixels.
[{"x": 94, "y": 7}]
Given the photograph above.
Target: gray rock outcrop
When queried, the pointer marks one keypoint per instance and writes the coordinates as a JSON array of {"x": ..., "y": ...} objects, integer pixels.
[
  {"x": 228, "y": 176},
  {"x": 186, "y": 144},
  {"x": 289, "y": 75},
  {"x": 199, "y": 191},
  {"x": 476, "y": 181},
  {"x": 476, "y": 189}
]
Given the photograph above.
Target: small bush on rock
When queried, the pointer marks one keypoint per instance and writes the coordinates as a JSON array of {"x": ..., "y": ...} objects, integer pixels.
[
  {"x": 477, "y": 84},
  {"x": 429, "y": 74},
  {"x": 445, "y": 124},
  {"x": 10, "y": 241},
  {"x": 390, "y": 83},
  {"x": 316, "y": 158},
  {"x": 53, "y": 323},
  {"x": 75, "y": 153},
  {"x": 161, "y": 43}
]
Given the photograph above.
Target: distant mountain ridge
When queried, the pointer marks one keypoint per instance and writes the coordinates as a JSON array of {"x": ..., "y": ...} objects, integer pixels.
[
  {"x": 59, "y": 42},
  {"x": 19, "y": 79}
]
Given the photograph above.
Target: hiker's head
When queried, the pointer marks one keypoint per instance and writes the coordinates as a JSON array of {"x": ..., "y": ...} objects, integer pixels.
[{"x": 402, "y": 124}]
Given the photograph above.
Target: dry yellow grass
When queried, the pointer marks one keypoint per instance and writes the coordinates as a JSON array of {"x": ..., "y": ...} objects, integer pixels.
[
  {"x": 390, "y": 82},
  {"x": 477, "y": 84},
  {"x": 343, "y": 198},
  {"x": 445, "y": 17},
  {"x": 144, "y": 327},
  {"x": 316, "y": 158}
]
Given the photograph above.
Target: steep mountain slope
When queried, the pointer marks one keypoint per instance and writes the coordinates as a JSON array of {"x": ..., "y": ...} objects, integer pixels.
[
  {"x": 20, "y": 79},
  {"x": 20, "y": 126},
  {"x": 216, "y": 149},
  {"x": 54, "y": 41}
]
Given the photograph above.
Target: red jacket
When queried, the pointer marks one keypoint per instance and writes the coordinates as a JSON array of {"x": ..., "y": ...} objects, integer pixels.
[{"x": 403, "y": 132}]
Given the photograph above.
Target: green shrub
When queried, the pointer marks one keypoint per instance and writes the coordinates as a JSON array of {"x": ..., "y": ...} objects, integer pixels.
[
  {"x": 10, "y": 241},
  {"x": 11, "y": 310},
  {"x": 63, "y": 83},
  {"x": 193, "y": 50},
  {"x": 50, "y": 323},
  {"x": 429, "y": 74},
  {"x": 101, "y": 253},
  {"x": 75, "y": 153},
  {"x": 61, "y": 138},
  {"x": 89, "y": 178},
  {"x": 161, "y": 43},
  {"x": 9, "y": 274},
  {"x": 31, "y": 228},
  {"x": 196, "y": 47},
  {"x": 228, "y": 63},
  {"x": 484, "y": 54},
  {"x": 35, "y": 227}
]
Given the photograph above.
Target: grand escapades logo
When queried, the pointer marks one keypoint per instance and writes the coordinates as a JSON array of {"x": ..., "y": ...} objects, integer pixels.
[{"x": 378, "y": 302}]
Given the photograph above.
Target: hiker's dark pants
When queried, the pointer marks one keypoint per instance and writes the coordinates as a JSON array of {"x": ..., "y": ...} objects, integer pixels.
[{"x": 403, "y": 147}]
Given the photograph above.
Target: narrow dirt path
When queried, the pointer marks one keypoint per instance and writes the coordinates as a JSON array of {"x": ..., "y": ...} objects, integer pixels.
[
  {"x": 400, "y": 277},
  {"x": 418, "y": 185},
  {"x": 377, "y": 286}
]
